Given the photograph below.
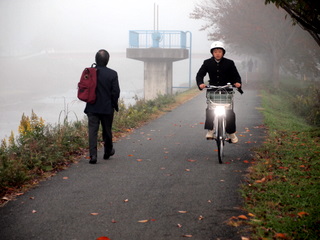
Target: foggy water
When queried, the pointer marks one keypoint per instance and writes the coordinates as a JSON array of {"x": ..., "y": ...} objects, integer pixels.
[{"x": 47, "y": 84}]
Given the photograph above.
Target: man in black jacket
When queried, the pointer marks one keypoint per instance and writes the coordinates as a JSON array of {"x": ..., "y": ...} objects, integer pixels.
[
  {"x": 221, "y": 71},
  {"x": 102, "y": 110}
]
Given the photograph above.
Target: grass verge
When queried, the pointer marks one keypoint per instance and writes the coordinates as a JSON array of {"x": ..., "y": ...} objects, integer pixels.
[{"x": 282, "y": 190}]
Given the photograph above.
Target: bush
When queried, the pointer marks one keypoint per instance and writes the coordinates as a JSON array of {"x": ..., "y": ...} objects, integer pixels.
[{"x": 307, "y": 103}]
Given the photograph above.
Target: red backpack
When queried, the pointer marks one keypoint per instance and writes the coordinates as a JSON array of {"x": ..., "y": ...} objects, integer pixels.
[{"x": 87, "y": 85}]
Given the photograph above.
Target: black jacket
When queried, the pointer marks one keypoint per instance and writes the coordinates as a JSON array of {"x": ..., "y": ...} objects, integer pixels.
[
  {"x": 219, "y": 73},
  {"x": 107, "y": 91}
]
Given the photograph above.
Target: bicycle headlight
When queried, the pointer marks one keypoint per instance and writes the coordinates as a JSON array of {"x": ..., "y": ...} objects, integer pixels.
[{"x": 219, "y": 110}]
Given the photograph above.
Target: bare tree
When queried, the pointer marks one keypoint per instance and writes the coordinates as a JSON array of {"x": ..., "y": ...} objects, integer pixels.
[{"x": 253, "y": 28}]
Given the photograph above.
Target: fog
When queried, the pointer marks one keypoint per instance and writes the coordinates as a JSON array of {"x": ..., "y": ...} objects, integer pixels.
[{"x": 45, "y": 45}]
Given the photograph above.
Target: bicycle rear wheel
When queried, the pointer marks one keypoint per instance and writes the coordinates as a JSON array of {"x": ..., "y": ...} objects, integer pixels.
[{"x": 220, "y": 139}]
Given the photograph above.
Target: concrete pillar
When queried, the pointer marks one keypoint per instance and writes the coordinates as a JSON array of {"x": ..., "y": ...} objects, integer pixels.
[
  {"x": 158, "y": 64},
  {"x": 157, "y": 78}
]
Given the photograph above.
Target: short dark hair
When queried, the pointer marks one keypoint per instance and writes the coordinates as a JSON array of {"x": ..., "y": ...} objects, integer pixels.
[{"x": 102, "y": 57}]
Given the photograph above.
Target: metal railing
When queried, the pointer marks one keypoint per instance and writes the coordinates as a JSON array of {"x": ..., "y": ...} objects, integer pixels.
[{"x": 157, "y": 39}]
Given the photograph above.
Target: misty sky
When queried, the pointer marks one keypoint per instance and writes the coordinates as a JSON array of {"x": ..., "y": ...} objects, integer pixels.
[{"x": 29, "y": 26}]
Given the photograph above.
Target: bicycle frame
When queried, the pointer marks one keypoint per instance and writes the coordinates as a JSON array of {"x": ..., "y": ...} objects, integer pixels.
[{"x": 220, "y": 99}]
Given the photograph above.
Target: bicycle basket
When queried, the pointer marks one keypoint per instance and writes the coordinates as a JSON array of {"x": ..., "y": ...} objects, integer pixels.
[{"x": 220, "y": 97}]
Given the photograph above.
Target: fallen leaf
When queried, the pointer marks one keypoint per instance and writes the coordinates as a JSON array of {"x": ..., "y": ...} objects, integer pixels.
[
  {"x": 179, "y": 225},
  {"x": 103, "y": 238},
  {"x": 261, "y": 181},
  {"x": 187, "y": 170},
  {"x": 152, "y": 220},
  {"x": 143, "y": 221},
  {"x": 139, "y": 160},
  {"x": 34, "y": 211},
  {"x": 246, "y": 161},
  {"x": 191, "y": 160},
  {"x": 245, "y": 238},
  {"x": 130, "y": 155},
  {"x": 243, "y": 217},
  {"x": 281, "y": 235},
  {"x": 94, "y": 214},
  {"x": 251, "y": 215},
  {"x": 126, "y": 200},
  {"x": 182, "y": 211},
  {"x": 301, "y": 214},
  {"x": 187, "y": 236},
  {"x": 113, "y": 221},
  {"x": 201, "y": 218},
  {"x": 65, "y": 178}
]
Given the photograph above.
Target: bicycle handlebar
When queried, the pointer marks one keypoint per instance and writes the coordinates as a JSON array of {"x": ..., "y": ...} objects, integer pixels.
[{"x": 226, "y": 87}]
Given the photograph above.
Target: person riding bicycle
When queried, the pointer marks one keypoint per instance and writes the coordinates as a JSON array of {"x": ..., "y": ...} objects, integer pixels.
[{"x": 221, "y": 71}]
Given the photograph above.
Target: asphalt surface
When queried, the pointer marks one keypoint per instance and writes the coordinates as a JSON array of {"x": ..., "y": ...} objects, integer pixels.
[{"x": 164, "y": 182}]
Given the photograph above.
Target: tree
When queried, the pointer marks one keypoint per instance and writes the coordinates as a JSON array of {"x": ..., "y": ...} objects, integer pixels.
[
  {"x": 250, "y": 27},
  {"x": 304, "y": 12}
]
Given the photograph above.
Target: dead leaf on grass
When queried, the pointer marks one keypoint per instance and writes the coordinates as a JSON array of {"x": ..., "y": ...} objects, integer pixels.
[
  {"x": 281, "y": 235},
  {"x": 243, "y": 217},
  {"x": 302, "y": 214}
]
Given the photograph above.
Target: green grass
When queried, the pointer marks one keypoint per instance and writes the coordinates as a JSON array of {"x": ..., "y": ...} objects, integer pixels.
[{"x": 283, "y": 186}]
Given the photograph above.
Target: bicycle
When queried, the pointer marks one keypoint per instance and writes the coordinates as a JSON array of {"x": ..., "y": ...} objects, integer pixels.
[{"x": 219, "y": 99}]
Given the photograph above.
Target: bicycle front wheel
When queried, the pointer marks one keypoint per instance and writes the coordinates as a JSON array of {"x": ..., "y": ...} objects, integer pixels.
[{"x": 220, "y": 139}]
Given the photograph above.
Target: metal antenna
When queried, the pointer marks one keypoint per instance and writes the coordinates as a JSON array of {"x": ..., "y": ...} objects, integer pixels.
[{"x": 155, "y": 17}]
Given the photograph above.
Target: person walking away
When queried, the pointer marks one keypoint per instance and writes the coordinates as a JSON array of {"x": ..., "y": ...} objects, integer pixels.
[
  {"x": 221, "y": 71},
  {"x": 102, "y": 111}
]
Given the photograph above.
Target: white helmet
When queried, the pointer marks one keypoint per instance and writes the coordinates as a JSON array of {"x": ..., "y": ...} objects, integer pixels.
[{"x": 217, "y": 44}]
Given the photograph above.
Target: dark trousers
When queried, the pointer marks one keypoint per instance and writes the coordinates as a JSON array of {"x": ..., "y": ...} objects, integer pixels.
[
  {"x": 230, "y": 120},
  {"x": 94, "y": 121}
]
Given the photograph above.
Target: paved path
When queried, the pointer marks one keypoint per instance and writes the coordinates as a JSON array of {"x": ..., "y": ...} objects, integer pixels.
[{"x": 165, "y": 172}]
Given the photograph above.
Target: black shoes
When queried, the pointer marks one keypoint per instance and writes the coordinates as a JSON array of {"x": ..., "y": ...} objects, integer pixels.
[
  {"x": 107, "y": 156},
  {"x": 93, "y": 160}
]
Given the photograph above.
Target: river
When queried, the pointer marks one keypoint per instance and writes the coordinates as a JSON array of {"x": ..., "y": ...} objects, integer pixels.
[{"x": 46, "y": 83}]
